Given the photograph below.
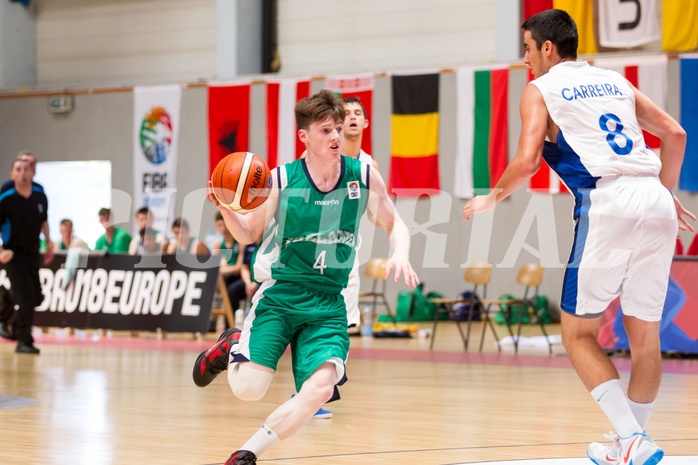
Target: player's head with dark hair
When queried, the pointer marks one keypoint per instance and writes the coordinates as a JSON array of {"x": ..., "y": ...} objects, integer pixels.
[
  {"x": 357, "y": 101},
  {"x": 556, "y": 26},
  {"x": 180, "y": 223},
  {"x": 144, "y": 217},
  {"x": 105, "y": 218},
  {"x": 319, "y": 107}
]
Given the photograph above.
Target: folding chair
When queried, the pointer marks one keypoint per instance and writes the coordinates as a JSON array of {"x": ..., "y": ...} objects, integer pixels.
[
  {"x": 530, "y": 276},
  {"x": 226, "y": 309},
  {"x": 478, "y": 274},
  {"x": 375, "y": 270}
]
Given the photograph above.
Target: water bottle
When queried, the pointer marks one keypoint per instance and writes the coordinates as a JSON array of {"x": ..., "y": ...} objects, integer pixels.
[
  {"x": 239, "y": 318},
  {"x": 367, "y": 323}
]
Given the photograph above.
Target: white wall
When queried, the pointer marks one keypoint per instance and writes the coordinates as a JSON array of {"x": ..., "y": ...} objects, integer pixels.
[
  {"x": 125, "y": 42},
  {"x": 108, "y": 42},
  {"x": 317, "y": 36},
  {"x": 17, "y": 56}
]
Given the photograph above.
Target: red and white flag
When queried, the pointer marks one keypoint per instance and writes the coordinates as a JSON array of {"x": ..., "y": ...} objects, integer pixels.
[
  {"x": 228, "y": 120},
  {"x": 283, "y": 145},
  {"x": 360, "y": 86},
  {"x": 648, "y": 74}
]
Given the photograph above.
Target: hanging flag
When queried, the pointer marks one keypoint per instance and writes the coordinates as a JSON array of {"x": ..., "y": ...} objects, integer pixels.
[
  {"x": 626, "y": 24},
  {"x": 155, "y": 141},
  {"x": 532, "y": 7},
  {"x": 283, "y": 144},
  {"x": 361, "y": 87},
  {"x": 649, "y": 75},
  {"x": 688, "y": 180},
  {"x": 679, "y": 25},
  {"x": 414, "y": 148},
  {"x": 482, "y": 119},
  {"x": 583, "y": 14},
  {"x": 228, "y": 121}
]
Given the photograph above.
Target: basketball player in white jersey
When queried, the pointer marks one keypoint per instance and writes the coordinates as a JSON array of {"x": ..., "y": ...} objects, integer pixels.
[
  {"x": 626, "y": 217},
  {"x": 354, "y": 124}
]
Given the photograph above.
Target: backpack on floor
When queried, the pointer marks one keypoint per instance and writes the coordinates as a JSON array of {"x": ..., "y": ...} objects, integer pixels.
[{"x": 415, "y": 305}]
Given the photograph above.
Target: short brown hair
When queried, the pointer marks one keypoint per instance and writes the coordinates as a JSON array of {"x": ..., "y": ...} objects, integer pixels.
[
  {"x": 20, "y": 160},
  {"x": 356, "y": 100},
  {"x": 143, "y": 211},
  {"x": 180, "y": 223},
  {"x": 319, "y": 107},
  {"x": 558, "y": 27}
]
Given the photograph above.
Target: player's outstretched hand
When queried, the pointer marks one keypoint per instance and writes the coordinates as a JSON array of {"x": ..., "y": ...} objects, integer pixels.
[
  {"x": 403, "y": 268},
  {"x": 680, "y": 213},
  {"x": 479, "y": 204}
]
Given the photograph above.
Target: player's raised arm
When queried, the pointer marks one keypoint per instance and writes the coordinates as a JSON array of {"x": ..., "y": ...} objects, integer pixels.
[
  {"x": 248, "y": 228},
  {"x": 383, "y": 213},
  {"x": 241, "y": 183},
  {"x": 534, "y": 125}
]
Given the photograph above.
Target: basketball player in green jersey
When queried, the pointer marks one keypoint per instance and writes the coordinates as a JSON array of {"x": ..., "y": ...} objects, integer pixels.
[
  {"x": 308, "y": 229},
  {"x": 355, "y": 122}
]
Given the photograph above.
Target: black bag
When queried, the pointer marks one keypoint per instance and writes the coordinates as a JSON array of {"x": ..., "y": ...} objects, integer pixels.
[{"x": 461, "y": 311}]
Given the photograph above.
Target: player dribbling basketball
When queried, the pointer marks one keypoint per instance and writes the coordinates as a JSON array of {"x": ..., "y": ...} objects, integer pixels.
[{"x": 309, "y": 229}]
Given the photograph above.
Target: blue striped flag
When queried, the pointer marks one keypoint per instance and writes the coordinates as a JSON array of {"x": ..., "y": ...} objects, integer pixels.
[{"x": 688, "y": 181}]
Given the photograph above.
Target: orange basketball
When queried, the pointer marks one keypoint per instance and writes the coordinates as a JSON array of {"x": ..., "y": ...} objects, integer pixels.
[{"x": 241, "y": 181}]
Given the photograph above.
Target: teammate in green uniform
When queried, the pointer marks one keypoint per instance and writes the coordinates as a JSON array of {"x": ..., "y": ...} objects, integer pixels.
[{"x": 308, "y": 234}]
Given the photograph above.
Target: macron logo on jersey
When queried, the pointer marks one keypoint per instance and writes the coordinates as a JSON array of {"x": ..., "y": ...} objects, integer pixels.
[
  {"x": 327, "y": 202},
  {"x": 589, "y": 91}
]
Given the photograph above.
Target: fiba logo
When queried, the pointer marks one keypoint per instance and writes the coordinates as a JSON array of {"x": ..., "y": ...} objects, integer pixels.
[
  {"x": 156, "y": 135},
  {"x": 353, "y": 189}
]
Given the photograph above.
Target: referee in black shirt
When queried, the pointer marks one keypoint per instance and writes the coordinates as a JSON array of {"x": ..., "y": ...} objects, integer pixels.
[{"x": 23, "y": 216}]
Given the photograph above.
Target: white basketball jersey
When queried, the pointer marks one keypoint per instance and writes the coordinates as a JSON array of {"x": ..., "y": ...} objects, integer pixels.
[
  {"x": 599, "y": 136},
  {"x": 364, "y": 157}
]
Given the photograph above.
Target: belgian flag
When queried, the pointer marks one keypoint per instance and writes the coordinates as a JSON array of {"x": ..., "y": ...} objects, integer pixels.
[{"x": 414, "y": 150}]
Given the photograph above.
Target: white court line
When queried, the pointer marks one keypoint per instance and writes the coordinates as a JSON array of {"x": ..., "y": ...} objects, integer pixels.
[{"x": 680, "y": 460}]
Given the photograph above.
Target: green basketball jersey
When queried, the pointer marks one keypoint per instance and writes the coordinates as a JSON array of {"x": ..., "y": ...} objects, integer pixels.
[
  {"x": 313, "y": 237},
  {"x": 231, "y": 254}
]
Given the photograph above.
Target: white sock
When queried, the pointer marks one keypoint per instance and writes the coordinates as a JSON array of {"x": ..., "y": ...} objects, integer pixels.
[
  {"x": 641, "y": 411},
  {"x": 612, "y": 400},
  {"x": 260, "y": 441}
]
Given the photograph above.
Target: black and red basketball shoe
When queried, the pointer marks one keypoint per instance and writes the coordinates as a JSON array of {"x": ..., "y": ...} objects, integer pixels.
[
  {"x": 242, "y": 457},
  {"x": 211, "y": 362}
]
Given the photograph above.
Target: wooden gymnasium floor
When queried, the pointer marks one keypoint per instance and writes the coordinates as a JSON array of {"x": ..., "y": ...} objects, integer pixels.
[{"x": 122, "y": 400}]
